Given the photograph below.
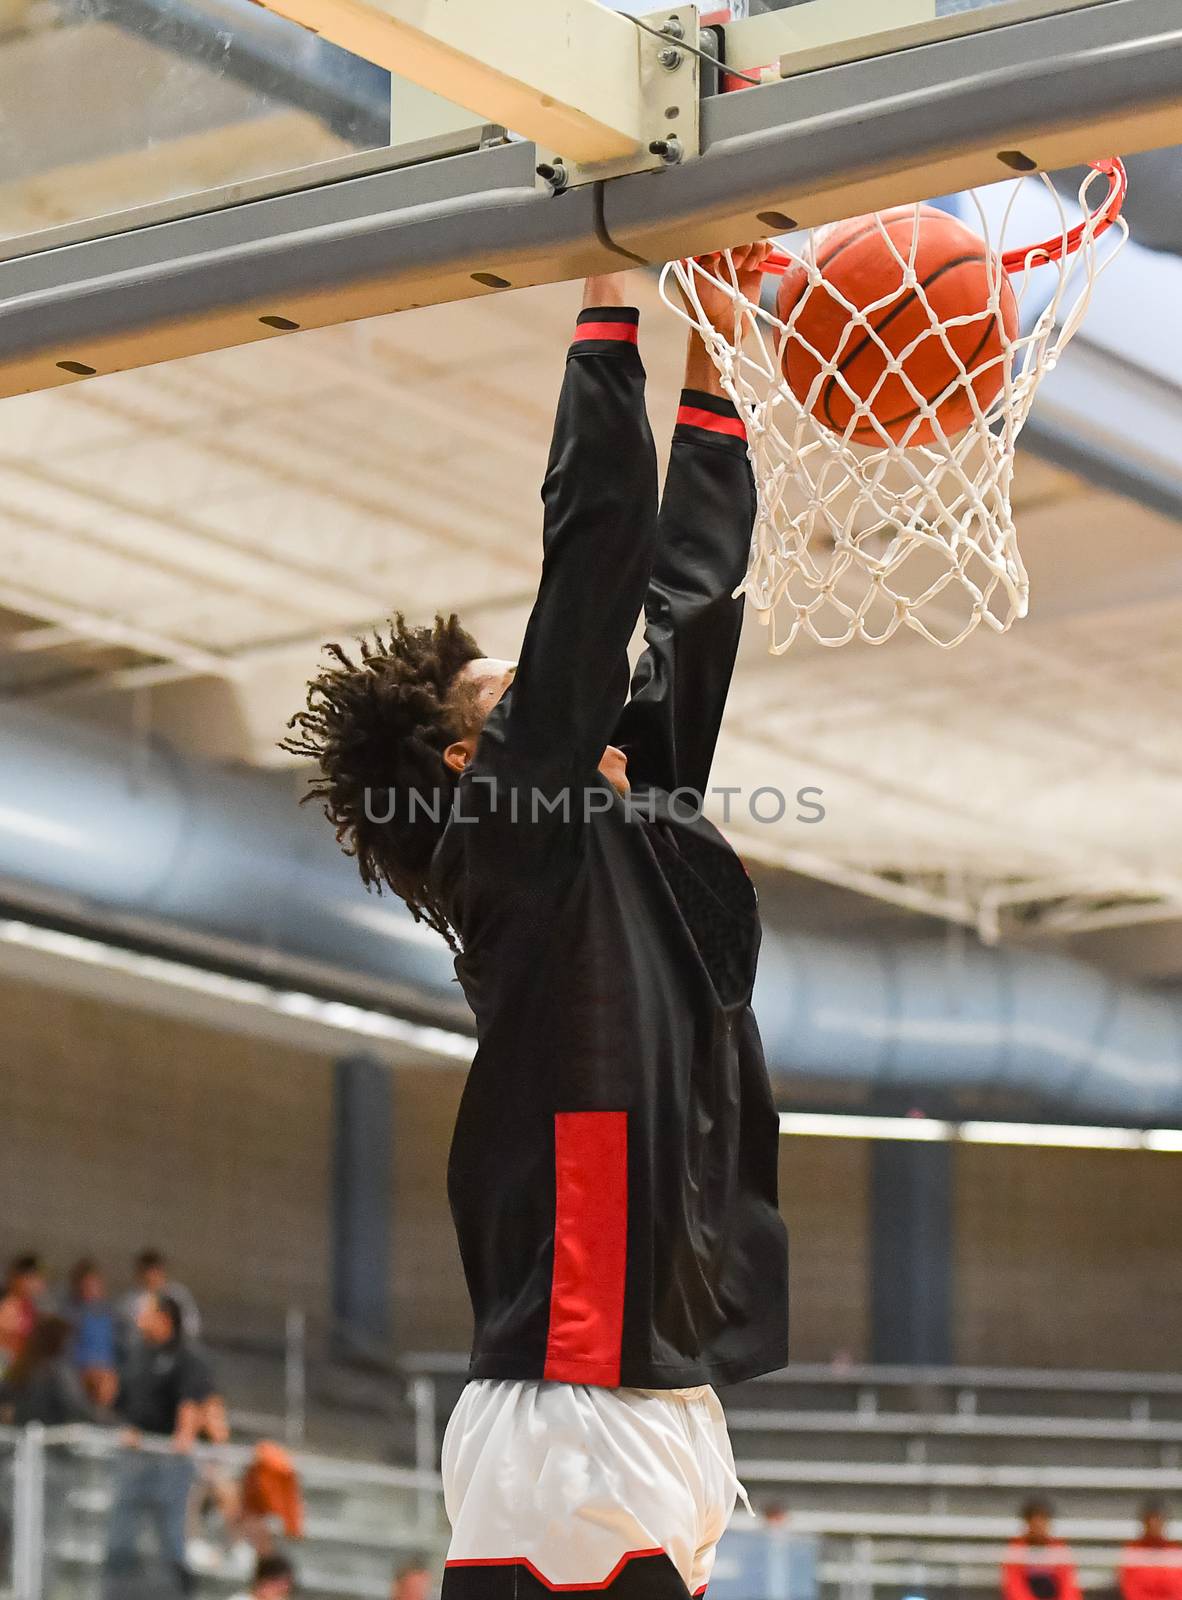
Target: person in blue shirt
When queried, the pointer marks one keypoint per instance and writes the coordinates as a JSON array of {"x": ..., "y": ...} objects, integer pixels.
[{"x": 93, "y": 1320}]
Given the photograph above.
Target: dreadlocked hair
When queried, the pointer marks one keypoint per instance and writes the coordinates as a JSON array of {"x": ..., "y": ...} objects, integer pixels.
[{"x": 377, "y": 724}]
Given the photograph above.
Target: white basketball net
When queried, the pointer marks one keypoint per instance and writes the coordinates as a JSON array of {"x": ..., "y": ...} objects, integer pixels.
[{"x": 852, "y": 540}]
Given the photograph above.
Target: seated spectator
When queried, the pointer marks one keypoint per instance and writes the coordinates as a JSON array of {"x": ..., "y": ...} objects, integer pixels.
[
  {"x": 1038, "y": 1566},
  {"x": 42, "y": 1384},
  {"x": 93, "y": 1320},
  {"x": 163, "y": 1396},
  {"x": 20, "y": 1299},
  {"x": 152, "y": 1277},
  {"x": 270, "y": 1500},
  {"x": 1151, "y": 1566},
  {"x": 274, "y": 1579},
  {"x": 412, "y": 1581}
]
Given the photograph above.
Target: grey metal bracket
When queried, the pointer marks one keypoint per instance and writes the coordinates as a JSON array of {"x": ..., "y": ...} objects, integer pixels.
[{"x": 670, "y": 91}]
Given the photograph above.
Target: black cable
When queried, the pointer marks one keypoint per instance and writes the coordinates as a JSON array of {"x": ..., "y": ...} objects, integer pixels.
[{"x": 703, "y": 55}]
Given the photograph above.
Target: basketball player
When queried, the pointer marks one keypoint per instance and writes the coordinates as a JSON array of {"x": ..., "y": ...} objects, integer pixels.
[{"x": 613, "y": 1171}]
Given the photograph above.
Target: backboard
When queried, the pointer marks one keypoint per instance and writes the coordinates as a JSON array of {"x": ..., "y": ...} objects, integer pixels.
[
  {"x": 180, "y": 175},
  {"x": 121, "y": 113}
]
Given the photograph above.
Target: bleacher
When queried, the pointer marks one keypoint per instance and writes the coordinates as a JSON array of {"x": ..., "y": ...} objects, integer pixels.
[
  {"x": 905, "y": 1481},
  {"x": 963, "y": 1442},
  {"x": 910, "y": 1478},
  {"x": 363, "y": 1518}
]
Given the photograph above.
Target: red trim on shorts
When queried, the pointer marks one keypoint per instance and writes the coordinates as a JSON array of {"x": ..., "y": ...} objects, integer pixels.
[
  {"x": 590, "y": 1247},
  {"x": 696, "y": 417},
  {"x": 524, "y": 1561},
  {"x": 625, "y": 332}
]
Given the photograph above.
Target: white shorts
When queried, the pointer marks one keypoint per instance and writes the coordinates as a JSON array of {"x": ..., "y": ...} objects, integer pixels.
[{"x": 563, "y": 1486}]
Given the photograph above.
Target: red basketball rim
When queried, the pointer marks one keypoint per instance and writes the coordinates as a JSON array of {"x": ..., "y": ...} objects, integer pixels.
[{"x": 1038, "y": 255}]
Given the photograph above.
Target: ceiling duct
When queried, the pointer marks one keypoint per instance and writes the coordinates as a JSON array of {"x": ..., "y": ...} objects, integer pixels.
[{"x": 227, "y": 854}]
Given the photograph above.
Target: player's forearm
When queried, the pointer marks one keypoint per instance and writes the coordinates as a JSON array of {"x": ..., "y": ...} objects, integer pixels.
[
  {"x": 607, "y": 289},
  {"x": 700, "y": 371}
]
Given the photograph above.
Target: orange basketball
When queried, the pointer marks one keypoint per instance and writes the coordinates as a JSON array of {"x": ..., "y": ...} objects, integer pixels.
[{"x": 955, "y": 269}]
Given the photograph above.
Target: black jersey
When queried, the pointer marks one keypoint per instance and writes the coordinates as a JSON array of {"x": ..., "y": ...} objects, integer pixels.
[{"x": 613, "y": 1171}]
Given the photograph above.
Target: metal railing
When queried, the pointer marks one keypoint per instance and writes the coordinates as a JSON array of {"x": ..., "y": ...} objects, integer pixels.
[
  {"x": 8, "y": 1444},
  {"x": 952, "y": 1408},
  {"x": 954, "y": 1425},
  {"x": 57, "y": 1489},
  {"x": 56, "y": 1492},
  {"x": 961, "y": 1388},
  {"x": 290, "y": 1420}
]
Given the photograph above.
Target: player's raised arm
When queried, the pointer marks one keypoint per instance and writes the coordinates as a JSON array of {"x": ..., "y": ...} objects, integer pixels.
[
  {"x": 692, "y": 620},
  {"x": 600, "y": 499}
]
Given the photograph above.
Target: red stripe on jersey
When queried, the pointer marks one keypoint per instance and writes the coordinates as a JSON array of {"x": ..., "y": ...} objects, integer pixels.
[
  {"x": 696, "y": 417},
  {"x": 590, "y": 1247},
  {"x": 627, "y": 332},
  {"x": 524, "y": 1561}
]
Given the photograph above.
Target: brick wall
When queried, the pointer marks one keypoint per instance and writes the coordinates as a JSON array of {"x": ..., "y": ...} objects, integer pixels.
[
  {"x": 431, "y": 1303},
  {"x": 119, "y": 1129},
  {"x": 824, "y": 1193}
]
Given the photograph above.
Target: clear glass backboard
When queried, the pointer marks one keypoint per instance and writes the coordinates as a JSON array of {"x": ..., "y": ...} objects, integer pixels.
[{"x": 108, "y": 107}]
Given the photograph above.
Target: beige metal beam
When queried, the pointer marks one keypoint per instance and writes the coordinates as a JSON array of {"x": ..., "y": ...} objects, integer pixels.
[
  {"x": 71, "y": 624},
  {"x": 564, "y": 73}
]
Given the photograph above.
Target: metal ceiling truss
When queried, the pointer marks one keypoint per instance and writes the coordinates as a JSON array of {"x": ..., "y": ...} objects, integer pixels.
[
  {"x": 996, "y": 910},
  {"x": 1014, "y": 908}
]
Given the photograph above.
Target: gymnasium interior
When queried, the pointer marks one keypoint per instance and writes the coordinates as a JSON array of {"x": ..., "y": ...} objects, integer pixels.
[{"x": 215, "y": 1045}]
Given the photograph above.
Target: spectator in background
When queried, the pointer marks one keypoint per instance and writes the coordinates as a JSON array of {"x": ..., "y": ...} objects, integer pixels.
[
  {"x": 1151, "y": 1566},
  {"x": 87, "y": 1309},
  {"x": 274, "y": 1579},
  {"x": 163, "y": 1397},
  {"x": 778, "y": 1523},
  {"x": 42, "y": 1384},
  {"x": 152, "y": 1277},
  {"x": 412, "y": 1581},
  {"x": 270, "y": 1500},
  {"x": 1038, "y": 1566},
  {"x": 24, "y": 1287}
]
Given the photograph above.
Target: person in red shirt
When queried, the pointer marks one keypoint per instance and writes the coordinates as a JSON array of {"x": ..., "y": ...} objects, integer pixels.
[
  {"x": 20, "y": 1298},
  {"x": 1151, "y": 1567},
  {"x": 1037, "y": 1565}
]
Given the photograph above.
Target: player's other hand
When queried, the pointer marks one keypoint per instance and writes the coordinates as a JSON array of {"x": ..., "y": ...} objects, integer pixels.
[{"x": 744, "y": 271}]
